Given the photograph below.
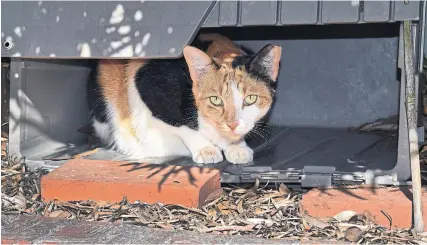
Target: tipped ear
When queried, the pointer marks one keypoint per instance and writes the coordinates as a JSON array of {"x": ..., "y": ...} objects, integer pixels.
[
  {"x": 198, "y": 62},
  {"x": 267, "y": 60}
]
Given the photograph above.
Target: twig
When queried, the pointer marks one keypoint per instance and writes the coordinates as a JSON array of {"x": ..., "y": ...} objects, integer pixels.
[
  {"x": 229, "y": 227},
  {"x": 390, "y": 220},
  {"x": 189, "y": 209},
  {"x": 12, "y": 200},
  {"x": 412, "y": 127}
]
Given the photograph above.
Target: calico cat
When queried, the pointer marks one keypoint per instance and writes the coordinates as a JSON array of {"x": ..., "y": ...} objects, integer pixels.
[{"x": 198, "y": 105}]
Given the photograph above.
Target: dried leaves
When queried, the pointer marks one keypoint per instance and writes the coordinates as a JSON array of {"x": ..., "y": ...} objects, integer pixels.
[
  {"x": 270, "y": 213},
  {"x": 261, "y": 211},
  {"x": 20, "y": 188},
  {"x": 357, "y": 228},
  {"x": 345, "y": 215}
]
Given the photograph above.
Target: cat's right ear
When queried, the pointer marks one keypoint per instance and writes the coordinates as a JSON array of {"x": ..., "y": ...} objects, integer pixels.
[{"x": 198, "y": 62}]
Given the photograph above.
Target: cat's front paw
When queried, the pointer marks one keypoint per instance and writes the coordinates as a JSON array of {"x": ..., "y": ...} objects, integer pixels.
[
  {"x": 239, "y": 154},
  {"x": 210, "y": 154}
]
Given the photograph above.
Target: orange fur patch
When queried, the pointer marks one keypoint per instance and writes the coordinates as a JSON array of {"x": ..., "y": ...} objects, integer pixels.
[
  {"x": 114, "y": 78},
  {"x": 222, "y": 50}
]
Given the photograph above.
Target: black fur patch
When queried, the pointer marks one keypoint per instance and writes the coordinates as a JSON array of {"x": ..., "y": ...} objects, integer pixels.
[
  {"x": 165, "y": 87},
  {"x": 255, "y": 70},
  {"x": 240, "y": 61}
]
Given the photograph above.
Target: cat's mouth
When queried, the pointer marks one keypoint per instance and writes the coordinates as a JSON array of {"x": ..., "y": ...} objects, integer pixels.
[{"x": 230, "y": 135}]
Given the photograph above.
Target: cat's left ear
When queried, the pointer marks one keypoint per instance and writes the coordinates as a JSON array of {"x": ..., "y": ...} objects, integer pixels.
[
  {"x": 198, "y": 62},
  {"x": 266, "y": 61}
]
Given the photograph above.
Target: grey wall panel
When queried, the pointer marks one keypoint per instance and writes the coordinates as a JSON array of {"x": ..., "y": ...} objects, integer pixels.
[
  {"x": 336, "y": 82},
  {"x": 75, "y": 29},
  {"x": 340, "y": 11},
  {"x": 309, "y": 12},
  {"x": 172, "y": 37},
  {"x": 212, "y": 19},
  {"x": 376, "y": 11},
  {"x": 228, "y": 13},
  {"x": 299, "y": 12},
  {"x": 406, "y": 11},
  {"x": 124, "y": 29},
  {"x": 258, "y": 13}
]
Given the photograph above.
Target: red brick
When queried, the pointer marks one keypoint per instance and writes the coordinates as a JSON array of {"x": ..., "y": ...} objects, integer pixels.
[
  {"x": 396, "y": 202},
  {"x": 110, "y": 181},
  {"x": 13, "y": 241}
]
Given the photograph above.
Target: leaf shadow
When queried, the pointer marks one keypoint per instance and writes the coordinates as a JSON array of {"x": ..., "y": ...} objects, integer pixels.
[{"x": 165, "y": 172}]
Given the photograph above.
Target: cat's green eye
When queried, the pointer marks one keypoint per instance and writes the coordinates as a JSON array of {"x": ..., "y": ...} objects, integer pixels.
[
  {"x": 250, "y": 100},
  {"x": 216, "y": 101}
]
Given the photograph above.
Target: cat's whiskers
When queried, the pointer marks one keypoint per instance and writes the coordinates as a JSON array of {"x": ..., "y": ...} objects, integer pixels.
[
  {"x": 265, "y": 126},
  {"x": 252, "y": 134},
  {"x": 261, "y": 134}
]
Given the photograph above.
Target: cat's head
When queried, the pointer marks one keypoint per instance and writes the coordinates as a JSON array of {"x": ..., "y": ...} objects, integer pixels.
[{"x": 234, "y": 95}]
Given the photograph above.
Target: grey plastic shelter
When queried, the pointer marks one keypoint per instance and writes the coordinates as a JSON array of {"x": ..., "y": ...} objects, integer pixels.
[{"x": 341, "y": 67}]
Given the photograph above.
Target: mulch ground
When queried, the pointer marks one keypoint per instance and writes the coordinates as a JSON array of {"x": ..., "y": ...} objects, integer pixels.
[{"x": 264, "y": 211}]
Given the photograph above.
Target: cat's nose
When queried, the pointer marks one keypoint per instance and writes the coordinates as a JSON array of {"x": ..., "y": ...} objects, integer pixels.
[{"x": 233, "y": 125}]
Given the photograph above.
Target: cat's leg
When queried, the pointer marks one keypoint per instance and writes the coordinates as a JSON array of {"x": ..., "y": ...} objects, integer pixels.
[
  {"x": 202, "y": 149},
  {"x": 239, "y": 153}
]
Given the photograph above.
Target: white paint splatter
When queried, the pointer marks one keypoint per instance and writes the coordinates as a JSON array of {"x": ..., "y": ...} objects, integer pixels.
[
  {"x": 2, "y": 34},
  {"x": 102, "y": 20},
  {"x": 17, "y": 54},
  {"x": 123, "y": 30},
  {"x": 117, "y": 15},
  {"x": 40, "y": 3},
  {"x": 52, "y": 55},
  {"x": 172, "y": 50},
  {"x": 85, "y": 52},
  {"x": 93, "y": 40},
  {"x": 17, "y": 31},
  {"x": 110, "y": 30},
  {"x": 57, "y": 18},
  {"x": 170, "y": 30},
  {"x": 138, "y": 48},
  {"x": 16, "y": 75},
  {"x": 60, "y": 9},
  {"x": 125, "y": 52},
  {"x": 85, "y": 14},
  {"x": 116, "y": 44},
  {"x": 37, "y": 50},
  {"x": 44, "y": 10},
  {"x": 355, "y": 3},
  {"x": 79, "y": 46},
  {"x": 142, "y": 54},
  {"x": 136, "y": 33},
  {"x": 125, "y": 39},
  {"x": 145, "y": 39},
  {"x": 138, "y": 15},
  {"x": 24, "y": 28}
]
